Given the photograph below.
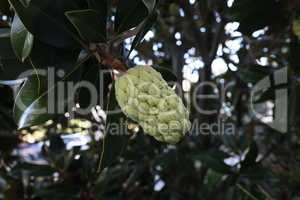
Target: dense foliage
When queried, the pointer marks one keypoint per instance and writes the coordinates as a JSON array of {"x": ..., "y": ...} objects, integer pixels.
[{"x": 229, "y": 153}]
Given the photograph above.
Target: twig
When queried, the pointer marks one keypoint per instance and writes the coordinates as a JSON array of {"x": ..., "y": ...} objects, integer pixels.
[
  {"x": 269, "y": 197},
  {"x": 246, "y": 192},
  {"x": 100, "y": 161},
  {"x": 105, "y": 58},
  {"x": 123, "y": 36}
]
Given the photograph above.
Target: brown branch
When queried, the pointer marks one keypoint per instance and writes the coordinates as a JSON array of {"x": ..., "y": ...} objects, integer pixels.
[
  {"x": 123, "y": 36},
  {"x": 106, "y": 59}
]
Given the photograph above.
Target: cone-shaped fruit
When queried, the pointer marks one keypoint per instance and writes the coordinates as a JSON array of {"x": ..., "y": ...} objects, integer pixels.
[{"x": 145, "y": 97}]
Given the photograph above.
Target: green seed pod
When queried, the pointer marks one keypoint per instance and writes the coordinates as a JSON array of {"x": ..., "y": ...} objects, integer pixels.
[{"x": 145, "y": 97}]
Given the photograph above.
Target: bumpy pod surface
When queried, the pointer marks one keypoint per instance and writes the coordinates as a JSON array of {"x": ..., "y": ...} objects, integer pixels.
[{"x": 145, "y": 97}]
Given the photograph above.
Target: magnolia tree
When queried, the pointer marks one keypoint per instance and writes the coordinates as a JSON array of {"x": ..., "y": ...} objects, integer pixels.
[{"x": 149, "y": 99}]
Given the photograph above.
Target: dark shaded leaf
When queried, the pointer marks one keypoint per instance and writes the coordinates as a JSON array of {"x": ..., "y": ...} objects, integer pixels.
[
  {"x": 251, "y": 156},
  {"x": 167, "y": 74},
  {"x": 34, "y": 169},
  {"x": 212, "y": 179},
  {"x": 4, "y": 6},
  {"x": 144, "y": 28},
  {"x": 45, "y": 19},
  {"x": 130, "y": 13},
  {"x": 166, "y": 159},
  {"x": 44, "y": 56},
  {"x": 258, "y": 173},
  {"x": 100, "y": 6},
  {"x": 8, "y": 141},
  {"x": 255, "y": 15},
  {"x": 10, "y": 66},
  {"x": 266, "y": 96},
  {"x": 59, "y": 191},
  {"x": 6, "y": 51},
  {"x": 150, "y": 4},
  {"x": 57, "y": 145},
  {"x": 116, "y": 130},
  {"x": 253, "y": 74},
  {"x": 88, "y": 24},
  {"x": 11, "y": 69},
  {"x": 213, "y": 160}
]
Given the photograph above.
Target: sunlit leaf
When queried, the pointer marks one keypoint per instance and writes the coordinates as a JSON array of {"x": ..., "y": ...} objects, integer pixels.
[
  {"x": 31, "y": 102},
  {"x": 21, "y": 39},
  {"x": 150, "y": 4}
]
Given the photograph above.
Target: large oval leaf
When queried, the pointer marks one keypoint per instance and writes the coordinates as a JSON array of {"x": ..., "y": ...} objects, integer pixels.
[
  {"x": 47, "y": 21},
  {"x": 6, "y": 50},
  {"x": 213, "y": 160},
  {"x": 143, "y": 29},
  {"x": 39, "y": 98},
  {"x": 21, "y": 39},
  {"x": 130, "y": 13},
  {"x": 150, "y": 4},
  {"x": 10, "y": 66},
  {"x": 88, "y": 24},
  {"x": 31, "y": 102}
]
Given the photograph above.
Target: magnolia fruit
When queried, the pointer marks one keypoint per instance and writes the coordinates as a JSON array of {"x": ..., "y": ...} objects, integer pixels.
[{"x": 145, "y": 97}]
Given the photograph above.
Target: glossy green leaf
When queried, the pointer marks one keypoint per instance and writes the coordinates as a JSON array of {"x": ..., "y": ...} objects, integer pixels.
[
  {"x": 45, "y": 19},
  {"x": 88, "y": 24},
  {"x": 253, "y": 74},
  {"x": 252, "y": 17},
  {"x": 21, "y": 39},
  {"x": 10, "y": 66},
  {"x": 11, "y": 69},
  {"x": 251, "y": 156},
  {"x": 115, "y": 139},
  {"x": 35, "y": 102},
  {"x": 47, "y": 56},
  {"x": 99, "y": 6},
  {"x": 213, "y": 160},
  {"x": 130, "y": 13},
  {"x": 167, "y": 74},
  {"x": 31, "y": 102},
  {"x": 150, "y": 4},
  {"x": 212, "y": 179},
  {"x": 144, "y": 28}
]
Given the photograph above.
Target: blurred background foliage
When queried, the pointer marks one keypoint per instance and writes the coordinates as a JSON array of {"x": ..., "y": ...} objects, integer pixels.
[{"x": 66, "y": 156}]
